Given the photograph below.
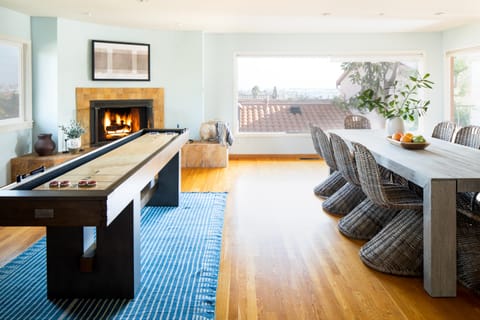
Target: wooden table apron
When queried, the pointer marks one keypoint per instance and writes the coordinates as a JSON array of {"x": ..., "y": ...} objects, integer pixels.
[
  {"x": 93, "y": 240},
  {"x": 442, "y": 170}
]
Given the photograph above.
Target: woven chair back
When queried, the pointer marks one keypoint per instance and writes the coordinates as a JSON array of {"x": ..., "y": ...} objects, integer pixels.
[
  {"x": 468, "y": 136},
  {"x": 326, "y": 148},
  {"x": 355, "y": 121},
  {"x": 316, "y": 143},
  {"x": 369, "y": 176},
  {"x": 444, "y": 130},
  {"x": 344, "y": 159}
]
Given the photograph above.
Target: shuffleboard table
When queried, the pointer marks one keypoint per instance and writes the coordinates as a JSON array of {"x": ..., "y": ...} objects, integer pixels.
[{"x": 91, "y": 206}]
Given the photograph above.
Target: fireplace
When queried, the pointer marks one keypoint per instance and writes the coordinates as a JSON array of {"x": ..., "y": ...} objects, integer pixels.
[
  {"x": 114, "y": 119},
  {"x": 84, "y": 97}
]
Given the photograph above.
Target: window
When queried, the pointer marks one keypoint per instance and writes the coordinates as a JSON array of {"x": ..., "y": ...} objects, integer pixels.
[
  {"x": 15, "y": 103},
  {"x": 465, "y": 87},
  {"x": 285, "y": 94}
]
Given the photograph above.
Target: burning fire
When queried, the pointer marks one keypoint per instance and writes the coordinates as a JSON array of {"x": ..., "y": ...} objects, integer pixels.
[{"x": 117, "y": 125}]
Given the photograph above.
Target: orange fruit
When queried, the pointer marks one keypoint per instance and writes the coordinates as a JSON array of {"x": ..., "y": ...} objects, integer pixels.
[
  {"x": 409, "y": 134},
  {"x": 397, "y": 136},
  {"x": 406, "y": 138}
]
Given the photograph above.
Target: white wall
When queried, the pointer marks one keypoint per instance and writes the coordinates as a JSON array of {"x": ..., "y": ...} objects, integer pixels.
[
  {"x": 219, "y": 74},
  {"x": 17, "y": 142}
]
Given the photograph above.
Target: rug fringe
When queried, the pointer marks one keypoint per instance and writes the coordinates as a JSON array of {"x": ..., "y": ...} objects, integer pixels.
[{"x": 209, "y": 273}]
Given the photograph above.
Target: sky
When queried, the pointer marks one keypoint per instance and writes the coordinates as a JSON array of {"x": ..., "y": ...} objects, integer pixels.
[
  {"x": 287, "y": 72},
  {"x": 9, "y": 68}
]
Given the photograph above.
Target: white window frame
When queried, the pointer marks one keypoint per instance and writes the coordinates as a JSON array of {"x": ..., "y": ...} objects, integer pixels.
[
  {"x": 24, "y": 120},
  {"x": 355, "y": 56},
  {"x": 450, "y": 110}
]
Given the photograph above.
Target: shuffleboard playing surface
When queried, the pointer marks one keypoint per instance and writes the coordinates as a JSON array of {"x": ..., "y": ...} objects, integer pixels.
[{"x": 107, "y": 169}]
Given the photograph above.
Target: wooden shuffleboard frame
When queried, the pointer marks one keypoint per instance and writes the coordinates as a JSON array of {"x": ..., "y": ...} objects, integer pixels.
[
  {"x": 93, "y": 235},
  {"x": 24, "y": 206}
]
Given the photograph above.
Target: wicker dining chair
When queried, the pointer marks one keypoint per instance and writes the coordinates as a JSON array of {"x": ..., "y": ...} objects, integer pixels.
[
  {"x": 355, "y": 121},
  {"x": 335, "y": 180},
  {"x": 316, "y": 143},
  {"x": 444, "y": 130},
  {"x": 366, "y": 219},
  {"x": 350, "y": 195},
  {"x": 468, "y": 243},
  {"x": 468, "y": 136},
  {"x": 398, "y": 247}
]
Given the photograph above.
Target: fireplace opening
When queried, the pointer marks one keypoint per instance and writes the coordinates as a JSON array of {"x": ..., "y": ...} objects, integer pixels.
[{"x": 115, "y": 119}]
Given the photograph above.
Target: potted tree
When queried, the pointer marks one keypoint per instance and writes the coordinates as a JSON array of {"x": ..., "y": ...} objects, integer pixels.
[
  {"x": 73, "y": 131},
  {"x": 397, "y": 103}
]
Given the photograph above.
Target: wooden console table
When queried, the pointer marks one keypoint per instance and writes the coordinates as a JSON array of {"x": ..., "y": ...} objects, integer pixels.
[{"x": 28, "y": 162}]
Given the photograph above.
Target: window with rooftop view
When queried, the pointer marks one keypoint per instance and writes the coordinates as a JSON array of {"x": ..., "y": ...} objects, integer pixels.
[
  {"x": 14, "y": 105},
  {"x": 464, "y": 87},
  {"x": 285, "y": 94}
]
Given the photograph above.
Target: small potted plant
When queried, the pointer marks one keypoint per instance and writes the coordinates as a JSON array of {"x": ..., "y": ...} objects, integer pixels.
[
  {"x": 399, "y": 103},
  {"x": 73, "y": 132}
]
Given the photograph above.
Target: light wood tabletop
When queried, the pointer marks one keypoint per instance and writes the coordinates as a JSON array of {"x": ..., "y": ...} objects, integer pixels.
[
  {"x": 442, "y": 170},
  {"x": 110, "y": 167}
]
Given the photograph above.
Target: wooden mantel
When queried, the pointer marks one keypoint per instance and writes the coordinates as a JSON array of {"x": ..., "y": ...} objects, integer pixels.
[{"x": 84, "y": 95}]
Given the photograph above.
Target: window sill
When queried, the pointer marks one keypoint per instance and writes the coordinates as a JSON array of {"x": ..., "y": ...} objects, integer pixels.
[{"x": 16, "y": 126}]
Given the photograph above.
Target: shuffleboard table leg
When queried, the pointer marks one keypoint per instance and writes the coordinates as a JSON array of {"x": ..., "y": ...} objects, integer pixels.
[
  {"x": 116, "y": 267},
  {"x": 168, "y": 184}
]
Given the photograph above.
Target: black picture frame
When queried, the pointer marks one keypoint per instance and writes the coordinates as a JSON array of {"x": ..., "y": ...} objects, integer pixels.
[{"x": 120, "y": 61}]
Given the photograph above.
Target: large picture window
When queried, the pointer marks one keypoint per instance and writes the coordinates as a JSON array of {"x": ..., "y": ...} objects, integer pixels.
[
  {"x": 285, "y": 94},
  {"x": 15, "y": 103},
  {"x": 465, "y": 87}
]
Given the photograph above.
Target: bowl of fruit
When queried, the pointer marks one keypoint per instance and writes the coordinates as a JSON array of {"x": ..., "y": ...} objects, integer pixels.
[{"x": 408, "y": 141}]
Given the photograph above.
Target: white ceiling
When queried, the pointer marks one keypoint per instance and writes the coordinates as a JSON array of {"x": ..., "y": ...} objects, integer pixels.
[{"x": 276, "y": 16}]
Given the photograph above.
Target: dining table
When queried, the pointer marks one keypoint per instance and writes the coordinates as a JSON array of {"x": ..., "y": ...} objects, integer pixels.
[{"x": 442, "y": 169}]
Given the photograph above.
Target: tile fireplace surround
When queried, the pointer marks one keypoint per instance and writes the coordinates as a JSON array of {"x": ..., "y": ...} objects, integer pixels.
[{"x": 84, "y": 95}]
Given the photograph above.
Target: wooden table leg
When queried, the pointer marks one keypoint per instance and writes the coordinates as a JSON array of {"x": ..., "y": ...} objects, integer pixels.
[
  {"x": 116, "y": 263},
  {"x": 439, "y": 234},
  {"x": 168, "y": 187}
]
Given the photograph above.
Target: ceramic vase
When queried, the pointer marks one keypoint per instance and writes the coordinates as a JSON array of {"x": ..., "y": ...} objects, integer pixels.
[
  {"x": 74, "y": 144},
  {"x": 44, "y": 146},
  {"x": 394, "y": 125}
]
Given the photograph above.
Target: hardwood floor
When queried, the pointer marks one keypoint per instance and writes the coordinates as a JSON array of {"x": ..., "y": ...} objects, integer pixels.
[{"x": 283, "y": 257}]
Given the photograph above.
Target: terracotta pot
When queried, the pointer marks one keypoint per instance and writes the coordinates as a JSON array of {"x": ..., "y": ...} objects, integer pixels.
[{"x": 44, "y": 146}]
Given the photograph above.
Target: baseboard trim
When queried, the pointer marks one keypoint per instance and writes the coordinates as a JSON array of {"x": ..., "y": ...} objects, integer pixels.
[{"x": 274, "y": 156}]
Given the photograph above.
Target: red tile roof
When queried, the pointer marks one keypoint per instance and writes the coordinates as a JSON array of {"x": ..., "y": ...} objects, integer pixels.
[{"x": 287, "y": 116}]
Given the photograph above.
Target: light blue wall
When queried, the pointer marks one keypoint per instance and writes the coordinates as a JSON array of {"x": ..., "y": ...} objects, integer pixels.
[
  {"x": 13, "y": 143},
  {"x": 462, "y": 38},
  {"x": 220, "y": 50},
  {"x": 44, "y": 76},
  {"x": 176, "y": 65},
  {"x": 14, "y": 24}
]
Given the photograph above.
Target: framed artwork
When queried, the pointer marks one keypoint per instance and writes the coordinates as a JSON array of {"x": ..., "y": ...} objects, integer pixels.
[{"x": 120, "y": 61}]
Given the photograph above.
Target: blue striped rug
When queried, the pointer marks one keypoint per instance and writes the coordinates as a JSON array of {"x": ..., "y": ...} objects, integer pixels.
[{"x": 180, "y": 257}]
